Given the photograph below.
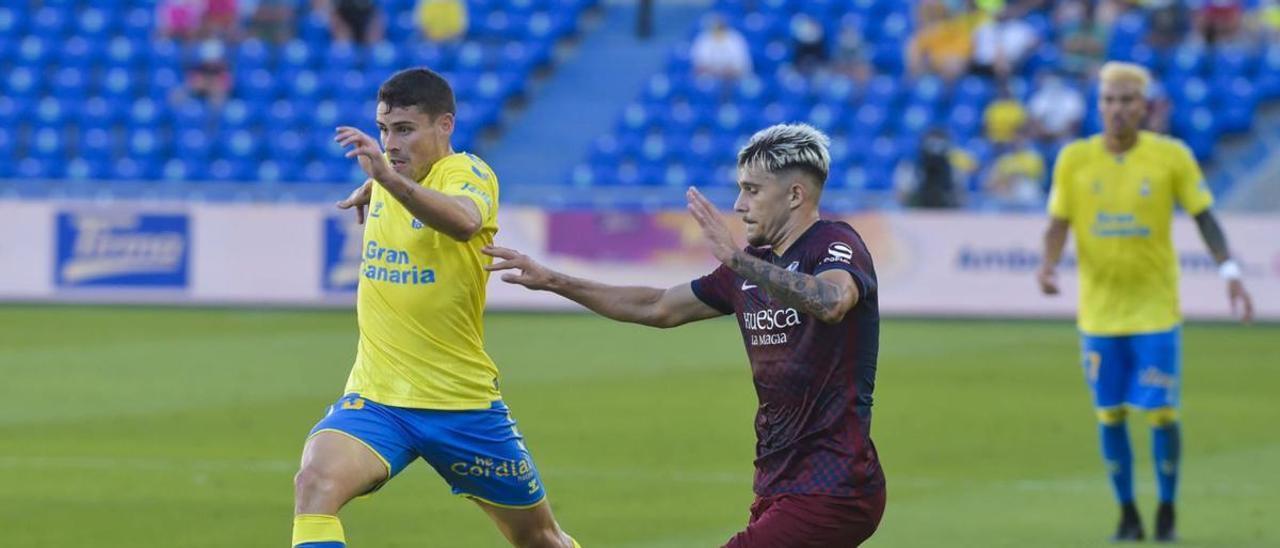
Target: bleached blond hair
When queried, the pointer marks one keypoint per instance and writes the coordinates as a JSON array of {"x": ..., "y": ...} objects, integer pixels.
[
  {"x": 1113, "y": 72},
  {"x": 788, "y": 146}
]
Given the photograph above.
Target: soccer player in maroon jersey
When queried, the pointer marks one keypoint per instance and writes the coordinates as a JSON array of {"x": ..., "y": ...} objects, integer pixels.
[{"x": 804, "y": 294}]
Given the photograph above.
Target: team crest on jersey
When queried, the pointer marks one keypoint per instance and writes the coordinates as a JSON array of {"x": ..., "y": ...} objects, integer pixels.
[{"x": 416, "y": 224}]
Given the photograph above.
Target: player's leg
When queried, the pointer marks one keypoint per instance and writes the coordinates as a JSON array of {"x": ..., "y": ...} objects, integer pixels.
[
  {"x": 350, "y": 452},
  {"x": 534, "y": 527},
  {"x": 1108, "y": 370},
  {"x": 482, "y": 456},
  {"x": 795, "y": 521},
  {"x": 1157, "y": 392}
]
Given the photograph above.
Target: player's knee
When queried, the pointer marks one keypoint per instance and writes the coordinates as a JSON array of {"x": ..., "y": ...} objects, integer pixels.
[
  {"x": 1161, "y": 417},
  {"x": 314, "y": 487},
  {"x": 1111, "y": 416}
]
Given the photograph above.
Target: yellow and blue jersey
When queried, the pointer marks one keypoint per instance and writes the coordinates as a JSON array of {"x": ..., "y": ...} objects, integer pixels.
[
  {"x": 420, "y": 302},
  {"x": 1121, "y": 211}
]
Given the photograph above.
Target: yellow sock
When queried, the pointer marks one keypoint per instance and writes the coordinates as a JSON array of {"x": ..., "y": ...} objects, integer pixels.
[
  {"x": 574, "y": 541},
  {"x": 317, "y": 531}
]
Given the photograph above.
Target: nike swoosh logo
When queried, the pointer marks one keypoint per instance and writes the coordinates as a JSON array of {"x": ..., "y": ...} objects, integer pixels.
[{"x": 747, "y": 285}]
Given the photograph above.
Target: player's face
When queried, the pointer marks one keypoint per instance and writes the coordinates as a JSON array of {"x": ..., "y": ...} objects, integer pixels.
[
  {"x": 762, "y": 204},
  {"x": 413, "y": 139},
  {"x": 1123, "y": 107}
]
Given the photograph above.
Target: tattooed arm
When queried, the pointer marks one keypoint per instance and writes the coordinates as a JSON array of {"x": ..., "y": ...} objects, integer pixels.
[{"x": 827, "y": 296}]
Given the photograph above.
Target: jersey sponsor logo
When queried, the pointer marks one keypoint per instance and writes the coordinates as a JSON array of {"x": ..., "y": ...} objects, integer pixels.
[
  {"x": 770, "y": 319},
  {"x": 391, "y": 265},
  {"x": 838, "y": 252},
  {"x": 483, "y": 467},
  {"x": 1119, "y": 225},
  {"x": 475, "y": 190},
  {"x": 342, "y": 253},
  {"x": 103, "y": 249}
]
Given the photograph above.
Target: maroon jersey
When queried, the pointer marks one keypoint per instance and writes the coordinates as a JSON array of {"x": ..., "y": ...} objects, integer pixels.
[{"x": 814, "y": 380}]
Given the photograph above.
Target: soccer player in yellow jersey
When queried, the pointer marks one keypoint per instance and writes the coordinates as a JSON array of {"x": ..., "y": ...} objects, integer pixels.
[
  {"x": 1117, "y": 192},
  {"x": 422, "y": 385}
]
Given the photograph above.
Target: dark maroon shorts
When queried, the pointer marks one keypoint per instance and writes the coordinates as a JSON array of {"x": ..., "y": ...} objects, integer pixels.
[{"x": 810, "y": 521}]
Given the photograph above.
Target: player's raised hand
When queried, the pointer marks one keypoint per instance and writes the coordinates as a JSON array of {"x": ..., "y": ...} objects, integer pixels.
[
  {"x": 358, "y": 199},
  {"x": 526, "y": 271},
  {"x": 1241, "y": 302},
  {"x": 713, "y": 227},
  {"x": 1048, "y": 279},
  {"x": 366, "y": 150}
]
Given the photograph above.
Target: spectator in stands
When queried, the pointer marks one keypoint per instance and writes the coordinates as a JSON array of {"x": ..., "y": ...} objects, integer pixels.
[
  {"x": 1268, "y": 18},
  {"x": 442, "y": 20},
  {"x": 1167, "y": 23},
  {"x": 944, "y": 42},
  {"x": 210, "y": 77},
  {"x": 721, "y": 51},
  {"x": 809, "y": 43},
  {"x": 1001, "y": 44},
  {"x": 1081, "y": 38},
  {"x": 852, "y": 58},
  {"x": 221, "y": 20},
  {"x": 1056, "y": 110},
  {"x": 1016, "y": 179},
  {"x": 1159, "y": 108},
  {"x": 1219, "y": 21},
  {"x": 269, "y": 20},
  {"x": 1004, "y": 117},
  {"x": 935, "y": 181},
  {"x": 359, "y": 21},
  {"x": 179, "y": 19}
]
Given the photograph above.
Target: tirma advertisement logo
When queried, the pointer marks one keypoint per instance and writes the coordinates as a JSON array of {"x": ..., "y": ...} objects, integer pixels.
[{"x": 114, "y": 249}]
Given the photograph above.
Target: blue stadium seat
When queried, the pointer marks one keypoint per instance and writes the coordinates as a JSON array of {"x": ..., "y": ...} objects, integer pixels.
[
  {"x": 50, "y": 21},
  {"x": 52, "y": 112},
  {"x": 13, "y": 21},
  {"x": 138, "y": 21},
  {"x": 96, "y": 144}
]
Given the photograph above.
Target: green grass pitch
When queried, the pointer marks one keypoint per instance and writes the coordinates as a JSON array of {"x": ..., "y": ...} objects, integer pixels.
[{"x": 182, "y": 428}]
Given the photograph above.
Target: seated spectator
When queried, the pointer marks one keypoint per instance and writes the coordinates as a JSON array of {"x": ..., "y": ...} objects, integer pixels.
[
  {"x": 1017, "y": 177},
  {"x": 210, "y": 77},
  {"x": 1056, "y": 110},
  {"x": 179, "y": 19},
  {"x": 1081, "y": 38},
  {"x": 1167, "y": 23},
  {"x": 1004, "y": 117},
  {"x": 809, "y": 43},
  {"x": 721, "y": 52},
  {"x": 852, "y": 59},
  {"x": 359, "y": 21},
  {"x": 442, "y": 20},
  {"x": 269, "y": 20},
  {"x": 1219, "y": 21},
  {"x": 1159, "y": 108},
  {"x": 944, "y": 42},
  {"x": 221, "y": 20},
  {"x": 1000, "y": 45},
  {"x": 937, "y": 176}
]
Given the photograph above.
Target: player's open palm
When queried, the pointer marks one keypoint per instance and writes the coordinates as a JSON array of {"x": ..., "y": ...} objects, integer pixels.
[
  {"x": 713, "y": 227},
  {"x": 366, "y": 150},
  {"x": 524, "y": 271}
]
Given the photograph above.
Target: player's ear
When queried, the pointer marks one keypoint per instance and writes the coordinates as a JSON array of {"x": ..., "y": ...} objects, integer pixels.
[{"x": 445, "y": 122}]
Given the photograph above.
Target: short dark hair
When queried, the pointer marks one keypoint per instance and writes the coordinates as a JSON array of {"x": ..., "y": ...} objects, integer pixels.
[{"x": 418, "y": 87}]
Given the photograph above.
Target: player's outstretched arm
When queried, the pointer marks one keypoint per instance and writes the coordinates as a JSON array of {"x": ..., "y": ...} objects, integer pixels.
[
  {"x": 456, "y": 217},
  {"x": 1216, "y": 240},
  {"x": 643, "y": 305},
  {"x": 1055, "y": 240},
  {"x": 827, "y": 296}
]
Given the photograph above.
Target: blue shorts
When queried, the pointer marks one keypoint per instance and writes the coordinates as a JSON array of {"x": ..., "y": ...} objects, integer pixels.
[
  {"x": 479, "y": 453},
  {"x": 1139, "y": 370}
]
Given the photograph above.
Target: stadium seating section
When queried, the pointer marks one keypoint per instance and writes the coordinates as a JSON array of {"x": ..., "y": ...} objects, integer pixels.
[
  {"x": 682, "y": 124},
  {"x": 87, "y": 87}
]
